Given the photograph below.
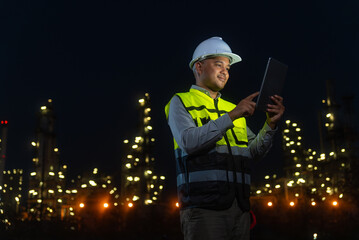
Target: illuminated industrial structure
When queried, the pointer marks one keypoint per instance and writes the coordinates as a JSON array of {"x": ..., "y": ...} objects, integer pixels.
[
  {"x": 139, "y": 183},
  {"x": 47, "y": 177},
  {"x": 3, "y": 141},
  {"x": 12, "y": 193},
  {"x": 321, "y": 175}
]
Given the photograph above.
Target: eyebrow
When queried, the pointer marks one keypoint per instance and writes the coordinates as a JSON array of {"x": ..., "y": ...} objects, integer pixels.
[{"x": 219, "y": 61}]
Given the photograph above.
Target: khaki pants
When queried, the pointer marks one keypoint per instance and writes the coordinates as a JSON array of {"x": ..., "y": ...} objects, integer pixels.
[{"x": 229, "y": 224}]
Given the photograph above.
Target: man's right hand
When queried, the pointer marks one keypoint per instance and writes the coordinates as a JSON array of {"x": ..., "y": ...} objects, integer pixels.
[{"x": 244, "y": 108}]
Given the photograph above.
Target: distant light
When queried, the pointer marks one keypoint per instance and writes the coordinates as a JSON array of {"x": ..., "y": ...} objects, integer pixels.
[
  {"x": 125, "y": 141},
  {"x": 328, "y": 115},
  {"x": 331, "y": 154},
  {"x": 287, "y": 122},
  {"x": 258, "y": 191},
  {"x": 277, "y": 186},
  {"x": 313, "y": 203},
  {"x": 82, "y": 205},
  {"x": 56, "y": 149},
  {"x": 105, "y": 205},
  {"x": 33, "y": 144},
  {"x": 163, "y": 177},
  {"x": 341, "y": 195},
  {"x": 343, "y": 150},
  {"x": 315, "y": 235},
  {"x": 335, "y": 203},
  {"x": 33, "y": 174},
  {"x": 83, "y": 185},
  {"x": 43, "y": 108},
  {"x": 298, "y": 165},
  {"x": 92, "y": 183},
  {"x": 294, "y": 124},
  {"x": 130, "y": 205},
  {"x": 267, "y": 177},
  {"x": 135, "y": 198},
  {"x": 291, "y": 204},
  {"x": 297, "y": 129},
  {"x": 141, "y": 100},
  {"x": 177, "y": 204},
  {"x": 149, "y": 127},
  {"x": 270, "y": 204}
]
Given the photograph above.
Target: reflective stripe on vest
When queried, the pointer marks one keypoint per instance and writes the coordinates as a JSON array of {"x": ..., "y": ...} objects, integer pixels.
[{"x": 212, "y": 175}]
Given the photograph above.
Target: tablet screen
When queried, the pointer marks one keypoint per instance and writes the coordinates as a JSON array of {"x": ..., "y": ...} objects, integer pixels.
[{"x": 272, "y": 83}]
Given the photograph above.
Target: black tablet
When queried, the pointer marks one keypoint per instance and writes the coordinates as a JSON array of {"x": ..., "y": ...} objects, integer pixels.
[{"x": 272, "y": 83}]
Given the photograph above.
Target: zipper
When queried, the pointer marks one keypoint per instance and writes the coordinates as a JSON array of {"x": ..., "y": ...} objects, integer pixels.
[{"x": 228, "y": 146}]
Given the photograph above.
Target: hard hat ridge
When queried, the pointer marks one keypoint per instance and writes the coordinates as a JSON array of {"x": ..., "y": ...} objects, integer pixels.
[{"x": 213, "y": 47}]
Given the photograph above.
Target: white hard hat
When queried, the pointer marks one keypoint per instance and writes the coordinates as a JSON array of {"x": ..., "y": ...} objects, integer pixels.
[{"x": 213, "y": 46}]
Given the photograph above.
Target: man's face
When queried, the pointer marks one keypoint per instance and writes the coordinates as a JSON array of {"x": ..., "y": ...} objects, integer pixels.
[{"x": 213, "y": 73}]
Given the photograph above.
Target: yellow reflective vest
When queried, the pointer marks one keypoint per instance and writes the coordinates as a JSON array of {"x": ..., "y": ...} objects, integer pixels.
[{"x": 214, "y": 178}]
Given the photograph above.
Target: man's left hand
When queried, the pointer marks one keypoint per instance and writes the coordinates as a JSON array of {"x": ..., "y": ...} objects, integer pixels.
[{"x": 275, "y": 111}]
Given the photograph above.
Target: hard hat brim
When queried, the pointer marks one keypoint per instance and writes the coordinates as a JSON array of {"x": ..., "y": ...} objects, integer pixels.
[{"x": 233, "y": 58}]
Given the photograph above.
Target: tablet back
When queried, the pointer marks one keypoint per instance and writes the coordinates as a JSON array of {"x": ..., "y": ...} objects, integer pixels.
[{"x": 272, "y": 83}]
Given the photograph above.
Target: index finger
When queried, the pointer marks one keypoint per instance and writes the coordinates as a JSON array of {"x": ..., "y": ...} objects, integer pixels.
[{"x": 253, "y": 95}]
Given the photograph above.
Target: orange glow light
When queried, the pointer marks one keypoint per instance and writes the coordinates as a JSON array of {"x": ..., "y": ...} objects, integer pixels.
[
  {"x": 314, "y": 203},
  {"x": 270, "y": 204},
  {"x": 82, "y": 205},
  {"x": 177, "y": 204},
  {"x": 291, "y": 204},
  {"x": 105, "y": 205},
  {"x": 130, "y": 205},
  {"x": 335, "y": 203}
]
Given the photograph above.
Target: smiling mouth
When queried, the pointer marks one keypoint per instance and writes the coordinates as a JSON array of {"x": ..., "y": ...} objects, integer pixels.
[{"x": 221, "y": 78}]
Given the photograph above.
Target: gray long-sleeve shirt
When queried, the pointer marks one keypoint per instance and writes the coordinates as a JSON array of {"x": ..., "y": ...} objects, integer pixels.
[{"x": 192, "y": 139}]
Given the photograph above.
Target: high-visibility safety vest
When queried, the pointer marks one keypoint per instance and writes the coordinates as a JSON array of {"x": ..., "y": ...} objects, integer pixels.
[{"x": 214, "y": 178}]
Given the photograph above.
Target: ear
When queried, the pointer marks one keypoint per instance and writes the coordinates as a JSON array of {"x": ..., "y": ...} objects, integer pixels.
[{"x": 199, "y": 67}]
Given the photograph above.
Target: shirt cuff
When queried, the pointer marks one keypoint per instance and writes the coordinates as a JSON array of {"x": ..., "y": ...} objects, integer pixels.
[
  {"x": 268, "y": 130},
  {"x": 224, "y": 123}
]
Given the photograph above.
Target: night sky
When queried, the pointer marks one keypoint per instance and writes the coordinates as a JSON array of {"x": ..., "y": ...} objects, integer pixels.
[{"x": 95, "y": 59}]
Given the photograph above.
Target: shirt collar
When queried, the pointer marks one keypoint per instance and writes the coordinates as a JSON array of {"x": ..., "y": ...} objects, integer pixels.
[{"x": 205, "y": 91}]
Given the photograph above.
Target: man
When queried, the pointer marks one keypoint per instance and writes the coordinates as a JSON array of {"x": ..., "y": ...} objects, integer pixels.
[{"x": 213, "y": 147}]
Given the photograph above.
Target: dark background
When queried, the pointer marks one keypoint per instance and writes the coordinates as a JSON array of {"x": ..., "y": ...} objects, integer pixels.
[{"x": 95, "y": 59}]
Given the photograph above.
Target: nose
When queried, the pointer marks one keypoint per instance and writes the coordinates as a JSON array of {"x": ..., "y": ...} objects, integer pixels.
[{"x": 224, "y": 71}]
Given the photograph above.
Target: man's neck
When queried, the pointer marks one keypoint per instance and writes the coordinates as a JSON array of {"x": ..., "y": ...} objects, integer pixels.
[{"x": 213, "y": 94}]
